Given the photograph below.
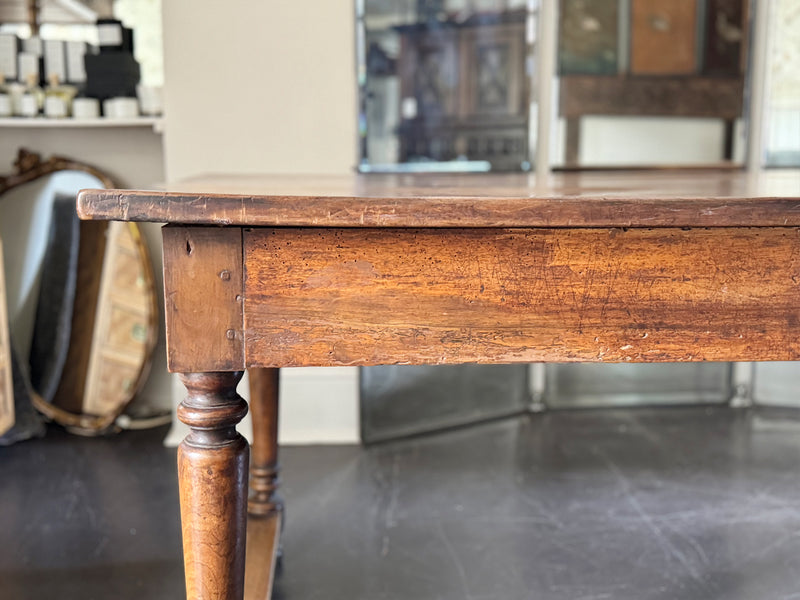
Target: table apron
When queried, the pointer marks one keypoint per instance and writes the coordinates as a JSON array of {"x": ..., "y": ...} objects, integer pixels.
[{"x": 327, "y": 296}]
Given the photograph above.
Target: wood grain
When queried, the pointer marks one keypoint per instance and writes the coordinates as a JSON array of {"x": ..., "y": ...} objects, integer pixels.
[
  {"x": 675, "y": 199},
  {"x": 365, "y": 297},
  {"x": 212, "y": 477},
  {"x": 202, "y": 289}
]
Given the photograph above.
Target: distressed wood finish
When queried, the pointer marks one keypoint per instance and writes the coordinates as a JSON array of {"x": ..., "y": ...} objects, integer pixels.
[
  {"x": 674, "y": 199},
  {"x": 212, "y": 472},
  {"x": 366, "y": 297},
  {"x": 203, "y": 293}
]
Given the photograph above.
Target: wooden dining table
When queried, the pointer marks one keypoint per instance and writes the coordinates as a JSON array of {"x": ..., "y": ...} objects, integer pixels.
[{"x": 265, "y": 272}]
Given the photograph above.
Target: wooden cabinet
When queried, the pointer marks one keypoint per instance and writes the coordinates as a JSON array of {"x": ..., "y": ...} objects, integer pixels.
[{"x": 464, "y": 93}]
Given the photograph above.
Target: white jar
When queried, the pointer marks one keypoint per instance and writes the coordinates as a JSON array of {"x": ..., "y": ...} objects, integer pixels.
[
  {"x": 85, "y": 108},
  {"x": 55, "y": 107},
  {"x": 121, "y": 108},
  {"x": 28, "y": 106},
  {"x": 6, "y": 107}
]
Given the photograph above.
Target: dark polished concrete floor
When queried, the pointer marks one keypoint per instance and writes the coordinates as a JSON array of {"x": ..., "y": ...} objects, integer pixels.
[{"x": 690, "y": 503}]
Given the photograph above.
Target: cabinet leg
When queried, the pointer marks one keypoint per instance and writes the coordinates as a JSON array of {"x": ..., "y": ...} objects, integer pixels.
[
  {"x": 212, "y": 471},
  {"x": 264, "y": 506}
]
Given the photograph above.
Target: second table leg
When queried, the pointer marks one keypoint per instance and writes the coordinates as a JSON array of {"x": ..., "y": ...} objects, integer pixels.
[{"x": 264, "y": 507}]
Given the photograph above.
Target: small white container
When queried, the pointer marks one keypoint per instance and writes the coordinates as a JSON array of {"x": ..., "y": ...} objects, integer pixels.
[
  {"x": 150, "y": 99},
  {"x": 6, "y": 106},
  {"x": 55, "y": 107},
  {"x": 16, "y": 91},
  {"x": 85, "y": 108},
  {"x": 121, "y": 108},
  {"x": 28, "y": 106}
]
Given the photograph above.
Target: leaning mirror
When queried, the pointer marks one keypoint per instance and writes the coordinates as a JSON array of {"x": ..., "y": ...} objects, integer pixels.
[{"x": 80, "y": 306}]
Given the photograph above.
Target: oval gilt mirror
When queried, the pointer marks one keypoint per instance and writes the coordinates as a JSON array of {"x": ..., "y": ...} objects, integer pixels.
[{"x": 80, "y": 302}]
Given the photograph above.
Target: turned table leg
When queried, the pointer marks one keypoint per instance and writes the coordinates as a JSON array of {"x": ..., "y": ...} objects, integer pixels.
[
  {"x": 212, "y": 471},
  {"x": 264, "y": 506},
  {"x": 264, "y": 460}
]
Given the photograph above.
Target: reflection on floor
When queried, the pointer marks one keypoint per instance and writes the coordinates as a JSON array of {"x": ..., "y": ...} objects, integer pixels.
[{"x": 690, "y": 503}]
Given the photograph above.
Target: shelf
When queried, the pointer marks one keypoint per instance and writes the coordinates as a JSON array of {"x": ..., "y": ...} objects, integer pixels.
[{"x": 157, "y": 123}]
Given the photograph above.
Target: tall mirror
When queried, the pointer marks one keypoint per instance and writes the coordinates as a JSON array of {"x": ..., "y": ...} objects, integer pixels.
[
  {"x": 651, "y": 83},
  {"x": 782, "y": 139},
  {"x": 445, "y": 84}
]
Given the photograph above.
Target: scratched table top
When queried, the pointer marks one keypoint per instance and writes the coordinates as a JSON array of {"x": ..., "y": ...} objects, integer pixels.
[{"x": 767, "y": 198}]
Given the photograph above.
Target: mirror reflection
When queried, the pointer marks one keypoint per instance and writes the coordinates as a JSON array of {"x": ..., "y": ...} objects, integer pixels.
[
  {"x": 444, "y": 85},
  {"x": 451, "y": 84},
  {"x": 663, "y": 79}
]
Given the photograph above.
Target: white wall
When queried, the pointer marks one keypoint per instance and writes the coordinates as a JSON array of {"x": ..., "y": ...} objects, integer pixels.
[
  {"x": 259, "y": 86},
  {"x": 268, "y": 87},
  {"x": 132, "y": 156}
]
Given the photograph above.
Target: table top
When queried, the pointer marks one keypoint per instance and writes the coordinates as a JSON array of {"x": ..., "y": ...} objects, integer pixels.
[{"x": 590, "y": 199}]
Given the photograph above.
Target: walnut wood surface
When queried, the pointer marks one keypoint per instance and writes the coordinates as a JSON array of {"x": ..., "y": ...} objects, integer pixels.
[
  {"x": 212, "y": 472},
  {"x": 364, "y": 297},
  {"x": 202, "y": 290},
  {"x": 675, "y": 199}
]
